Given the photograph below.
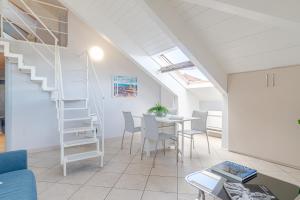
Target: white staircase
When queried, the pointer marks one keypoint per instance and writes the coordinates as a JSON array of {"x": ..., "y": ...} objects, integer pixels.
[
  {"x": 26, "y": 69},
  {"x": 80, "y": 120},
  {"x": 78, "y": 128}
]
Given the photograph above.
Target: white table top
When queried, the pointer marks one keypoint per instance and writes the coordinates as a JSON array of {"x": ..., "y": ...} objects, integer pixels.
[{"x": 171, "y": 119}]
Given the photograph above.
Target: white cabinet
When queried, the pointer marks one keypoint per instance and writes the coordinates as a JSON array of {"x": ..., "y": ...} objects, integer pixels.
[{"x": 264, "y": 107}]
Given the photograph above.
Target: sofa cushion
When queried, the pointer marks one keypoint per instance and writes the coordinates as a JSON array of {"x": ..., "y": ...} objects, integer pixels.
[{"x": 18, "y": 185}]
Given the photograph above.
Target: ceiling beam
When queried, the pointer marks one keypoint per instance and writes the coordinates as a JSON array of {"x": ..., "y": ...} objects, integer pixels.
[{"x": 248, "y": 13}]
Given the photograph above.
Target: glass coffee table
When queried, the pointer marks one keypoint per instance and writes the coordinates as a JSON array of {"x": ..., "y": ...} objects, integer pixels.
[{"x": 282, "y": 190}]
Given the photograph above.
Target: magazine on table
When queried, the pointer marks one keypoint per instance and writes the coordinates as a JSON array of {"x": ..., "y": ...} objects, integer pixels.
[{"x": 239, "y": 191}]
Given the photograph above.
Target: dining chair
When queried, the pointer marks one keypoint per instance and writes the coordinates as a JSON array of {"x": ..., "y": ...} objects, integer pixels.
[
  {"x": 129, "y": 127},
  {"x": 198, "y": 126},
  {"x": 151, "y": 133},
  {"x": 173, "y": 111}
]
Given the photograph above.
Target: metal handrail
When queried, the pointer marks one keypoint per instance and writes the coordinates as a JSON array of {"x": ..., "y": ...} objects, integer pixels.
[
  {"x": 29, "y": 27},
  {"x": 41, "y": 54},
  {"x": 58, "y": 73},
  {"x": 97, "y": 96},
  {"x": 58, "y": 84},
  {"x": 40, "y": 21}
]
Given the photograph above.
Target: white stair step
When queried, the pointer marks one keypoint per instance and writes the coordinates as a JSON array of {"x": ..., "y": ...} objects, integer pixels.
[
  {"x": 79, "y": 99},
  {"x": 78, "y": 130},
  {"x": 75, "y": 108},
  {"x": 80, "y": 142},
  {"x": 77, "y": 119},
  {"x": 50, "y": 89},
  {"x": 27, "y": 69},
  {"x": 82, "y": 156},
  {"x": 38, "y": 79}
]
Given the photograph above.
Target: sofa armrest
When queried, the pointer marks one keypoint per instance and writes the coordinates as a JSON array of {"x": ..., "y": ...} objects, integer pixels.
[{"x": 13, "y": 161}]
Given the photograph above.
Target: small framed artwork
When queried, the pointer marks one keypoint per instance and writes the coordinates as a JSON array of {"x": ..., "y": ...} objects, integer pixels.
[{"x": 125, "y": 86}]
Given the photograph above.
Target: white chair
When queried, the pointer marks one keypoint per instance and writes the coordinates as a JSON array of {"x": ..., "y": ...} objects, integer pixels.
[
  {"x": 173, "y": 111},
  {"x": 198, "y": 126},
  {"x": 129, "y": 127},
  {"x": 151, "y": 133}
]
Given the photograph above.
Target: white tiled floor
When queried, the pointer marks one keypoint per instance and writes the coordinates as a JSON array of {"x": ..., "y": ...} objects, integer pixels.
[{"x": 126, "y": 177}]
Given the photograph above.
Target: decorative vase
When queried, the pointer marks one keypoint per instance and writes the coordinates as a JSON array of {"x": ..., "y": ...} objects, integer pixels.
[{"x": 160, "y": 114}]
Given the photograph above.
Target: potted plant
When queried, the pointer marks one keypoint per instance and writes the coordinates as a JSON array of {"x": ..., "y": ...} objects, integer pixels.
[{"x": 159, "y": 110}]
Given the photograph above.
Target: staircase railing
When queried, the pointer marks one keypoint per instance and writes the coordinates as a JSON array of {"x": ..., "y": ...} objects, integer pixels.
[
  {"x": 52, "y": 54},
  {"x": 96, "y": 99}
]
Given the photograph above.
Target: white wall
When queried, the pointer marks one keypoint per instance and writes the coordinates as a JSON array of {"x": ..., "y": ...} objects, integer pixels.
[
  {"x": 33, "y": 114},
  {"x": 211, "y": 105},
  {"x": 167, "y": 98}
]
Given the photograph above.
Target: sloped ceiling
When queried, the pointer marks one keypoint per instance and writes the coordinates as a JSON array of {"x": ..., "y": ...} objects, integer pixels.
[
  {"x": 245, "y": 35},
  {"x": 234, "y": 35},
  {"x": 134, "y": 28}
]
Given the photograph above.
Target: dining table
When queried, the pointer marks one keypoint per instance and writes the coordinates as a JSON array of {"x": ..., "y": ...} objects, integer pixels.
[{"x": 169, "y": 120}]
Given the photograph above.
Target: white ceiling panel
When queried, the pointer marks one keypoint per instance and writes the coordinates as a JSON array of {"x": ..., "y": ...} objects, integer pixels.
[
  {"x": 238, "y": 42},
  {"x": 244, "y": 44},
  {"x": 135, "y": 23},
  {"x": 276, "y": 58},
  {"x": 273, "y": 39},
  {"x": 286, "y": 9},
  {"x": 209, "y": 18},
  {"x": 233, "y": 29}
]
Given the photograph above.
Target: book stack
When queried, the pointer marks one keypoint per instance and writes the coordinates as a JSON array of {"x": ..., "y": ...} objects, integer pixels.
[{"x": 235, "y": 171}]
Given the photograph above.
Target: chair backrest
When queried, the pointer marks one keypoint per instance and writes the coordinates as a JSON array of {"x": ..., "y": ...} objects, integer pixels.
[
  {"x": 173, "y": 111},
  {"x": 199, "y": 124},
  {"x": 129, "y": 123},
  {"x": 151, "y": 127}
]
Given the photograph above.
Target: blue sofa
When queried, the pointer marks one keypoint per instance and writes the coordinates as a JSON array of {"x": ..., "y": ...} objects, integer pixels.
[{"x": 16, "y": 181}]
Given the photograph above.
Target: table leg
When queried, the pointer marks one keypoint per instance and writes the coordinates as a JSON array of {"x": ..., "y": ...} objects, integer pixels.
[
  {"x": 201, "y": 195},
  {"x": 177, "y": 142},
  {"x": 182, "y": 141}
]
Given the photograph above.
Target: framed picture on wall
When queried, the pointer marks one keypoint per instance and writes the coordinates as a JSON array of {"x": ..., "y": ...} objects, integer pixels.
[{"x": 125, "y": 86}]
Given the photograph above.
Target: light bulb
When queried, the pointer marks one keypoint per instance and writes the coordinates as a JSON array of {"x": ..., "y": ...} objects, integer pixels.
[{"x": 96, "y": 53}]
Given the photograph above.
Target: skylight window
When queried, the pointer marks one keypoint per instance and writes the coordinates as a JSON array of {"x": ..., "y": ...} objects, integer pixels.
[{"x": 175, "y": 62}]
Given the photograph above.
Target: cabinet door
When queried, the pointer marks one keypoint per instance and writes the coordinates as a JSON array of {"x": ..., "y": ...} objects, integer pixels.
[
  {"x": 263, "y": 119},
  {"x": 285, "y": 102},
  {"x": 249, "y": 113}
]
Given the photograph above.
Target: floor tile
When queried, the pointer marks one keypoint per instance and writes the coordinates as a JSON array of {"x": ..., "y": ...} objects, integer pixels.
[
  {"x": 59, "y": 192},
  {"x": 91, "y": 193},
  {"x": 117, "y": 194},
  {"x": 164, "y": 170},
  {"x": 136, "y": 182},
  {"x": 51, "y": 175},
  {"x": 149, "y": 195},
  {"x": 43, "y": 186},
  {"x": 140, "y": 169},
  {"x": 104, "y": 179},
  {"x": 125, "y": 176},
  {"x": 184, "y": 187},
  {"x": 77, "y": 178},
  {"x": 162, "y": 184},
  {"x": 115, "y": 167}
]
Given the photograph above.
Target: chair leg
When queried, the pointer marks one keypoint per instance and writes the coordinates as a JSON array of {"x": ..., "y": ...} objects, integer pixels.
[
  {"x": 65, "y": 168},
  {"x": 142, "y": 150},
  {"x": 193, "y": 143},
  {"x": 153, "y": 164},
  {"x": 131, "y": 143},
  {"x": 208, "y": 143},
  {"x": 123, "y": 139},
  {"x": 191, "y": 146},
  {"x": 164, "y": 144},
  {"x": 177, "y": 150}
]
